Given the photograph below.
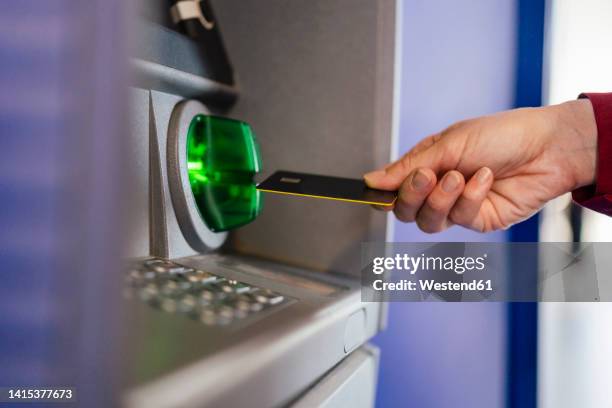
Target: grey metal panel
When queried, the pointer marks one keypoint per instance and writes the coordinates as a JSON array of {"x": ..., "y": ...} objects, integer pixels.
[
  {"x": 351, "y": 384},
  {"x": 167, "y": 240},
  {"x": 316, "y": 80},
  {"x": 152, "y": 75},
  {"x": 158, "y": 44},
  {"x": 137, "y": 188}
]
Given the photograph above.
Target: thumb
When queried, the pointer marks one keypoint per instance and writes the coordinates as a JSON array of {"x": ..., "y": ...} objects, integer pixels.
[{"x": 391, "y": 177}]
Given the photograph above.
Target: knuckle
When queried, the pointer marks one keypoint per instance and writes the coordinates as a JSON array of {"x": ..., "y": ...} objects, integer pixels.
[
  {"x": 464, "y": 211},
  {"x": 458, "y": 217},
  {"x": 435, "y": 138},
  {"x": 454, "y": 127},
  {"x": 428, "y": 222},
  {"x": 404, "y": 217},
  {"x": 482, "y": 229},
  {"x": 485, "y": 227},
  {"x": 406, "y": 162},
  {"x": 404, "y": 196},
  {"x": 426, "y": 226},
  {"x": 426, "y": 143},
  {"x": 471, "y": 195},
  {"x": 496, "y": 224},
  {"x": 403, "y": 214},
  {"x": 465, "y": 124},
  {"x": 437, "y": 206}
]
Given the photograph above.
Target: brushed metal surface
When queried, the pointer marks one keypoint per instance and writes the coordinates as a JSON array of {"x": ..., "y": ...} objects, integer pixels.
[
  {"x": 167, "y": 240},
  {"x": 136, "y": 197},
  {"x": 316, "y": 82},
  {"x": 352, "y": 383}
]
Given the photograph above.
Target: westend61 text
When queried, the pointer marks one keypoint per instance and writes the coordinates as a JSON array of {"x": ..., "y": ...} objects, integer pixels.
[{"x": 432, "y": 285}]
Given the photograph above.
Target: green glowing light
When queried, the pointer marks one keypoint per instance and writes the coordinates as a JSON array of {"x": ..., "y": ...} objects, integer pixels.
[
  {"x": 222, "y": 158},
  {"x": 193, "y": 166}
]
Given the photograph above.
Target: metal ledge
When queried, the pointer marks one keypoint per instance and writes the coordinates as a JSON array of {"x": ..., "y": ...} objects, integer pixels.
[{"x": 151, "y": 75}]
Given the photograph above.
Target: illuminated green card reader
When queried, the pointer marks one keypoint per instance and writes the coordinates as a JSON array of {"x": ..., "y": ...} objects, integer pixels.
[
  {"x": 211, "y": 162},
  {"x": 222, "y": 158}
]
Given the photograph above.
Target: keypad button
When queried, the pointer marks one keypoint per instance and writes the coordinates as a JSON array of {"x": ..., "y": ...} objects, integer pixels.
[
  {"x": 208, "y": 295},
  {"x": 187, "y": 304},
  {"x": 170, "y": 288},
  {"x": 247, "y": 303},
  {"x": 152, "y": 262},
  {"x": 135, "y": 275},
  {"x": 179, "y": 270},
  {"x": 185, "y": 285},
  {"x": 226, "y": 311},
  {"x": 207, "y": 316},
  {"x": 168, "y": 268},
  {"x": 212, "y": 317},
  {"x": 268, "y": 297},
  {"x": 274, "y": 300},
  {"x": 200, "y": 277},
  {"x": 169, "y": 305},
  {"x": 148, "y": 292},
  {"x": 148, "y": 274},
  {"x": 232, "y": 286}
]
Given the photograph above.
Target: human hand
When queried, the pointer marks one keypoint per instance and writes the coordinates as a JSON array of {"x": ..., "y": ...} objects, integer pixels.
[{"x": 514, "y": 162}]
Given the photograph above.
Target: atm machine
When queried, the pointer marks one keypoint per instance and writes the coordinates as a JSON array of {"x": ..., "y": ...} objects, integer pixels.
[{"x": 265, "y": 309}]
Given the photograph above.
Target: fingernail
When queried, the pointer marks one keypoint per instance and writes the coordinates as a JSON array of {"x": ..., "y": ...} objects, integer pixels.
[
  {"x": 483, "y": 175},
  {"x": 420, "y": 180},
  {"x": 450, "y": 183},
  {"x": 373, "y": 176}
]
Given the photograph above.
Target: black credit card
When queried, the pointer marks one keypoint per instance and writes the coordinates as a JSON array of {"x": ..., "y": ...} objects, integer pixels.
[{"x": 327, "y": 187}]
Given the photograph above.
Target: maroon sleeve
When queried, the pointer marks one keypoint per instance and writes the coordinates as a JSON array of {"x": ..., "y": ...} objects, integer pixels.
[{"x": 598, "y": 196}]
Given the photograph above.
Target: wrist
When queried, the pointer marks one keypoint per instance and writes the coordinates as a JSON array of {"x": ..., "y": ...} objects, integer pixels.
[{"x": 575, "y": 135}]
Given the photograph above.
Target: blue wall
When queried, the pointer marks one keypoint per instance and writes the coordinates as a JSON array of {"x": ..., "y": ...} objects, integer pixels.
[{"x": 458, "y": 61}]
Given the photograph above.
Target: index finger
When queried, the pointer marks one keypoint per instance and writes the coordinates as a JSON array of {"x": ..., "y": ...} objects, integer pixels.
[{"x": 392, "y": 176}]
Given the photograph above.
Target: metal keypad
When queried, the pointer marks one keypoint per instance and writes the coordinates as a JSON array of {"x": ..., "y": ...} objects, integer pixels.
[{"x": 212, "y": 299}]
